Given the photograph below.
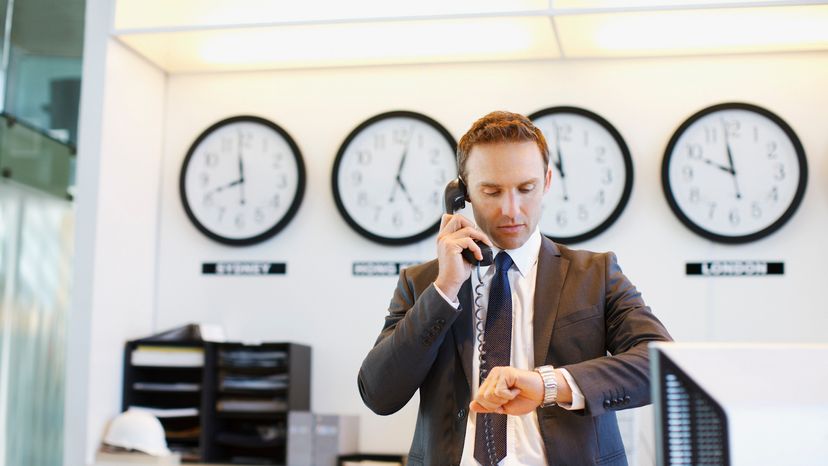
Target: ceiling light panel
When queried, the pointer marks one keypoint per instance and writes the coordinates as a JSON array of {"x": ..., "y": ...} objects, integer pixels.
[
  {"x": 348, "y": 44},
  {"x": 154, "y": 14},
  {"x": 687, "y": 32}
]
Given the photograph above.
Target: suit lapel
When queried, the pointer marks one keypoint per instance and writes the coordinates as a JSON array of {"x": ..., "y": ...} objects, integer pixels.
[
  {"x": 462, "y": 329},
  {"x": 548, "y": 284}
]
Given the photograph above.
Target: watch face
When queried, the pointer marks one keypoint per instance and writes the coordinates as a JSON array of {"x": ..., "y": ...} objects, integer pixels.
[
  {"x": 389, "y": 176},
  {"x": 592, "y": 173},
  {"x": 734, "y": 173},
  {"x": 242, "y": 180}
]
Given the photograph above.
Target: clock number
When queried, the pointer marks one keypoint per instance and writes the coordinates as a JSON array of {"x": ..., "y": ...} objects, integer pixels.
[
  {"x": 379, "y": 141},
  {"x": 211, "y": 159},
  {"x": 710, "y": 134},
  {"x": 362, "y": 198},
  {"x": 687, "y": 172},
  {"x": 435, "y": 156},
  {"x": 712, "y": 209},
  {"x": 356, "y": 178},
  {"x": 221, "y": 211},
  {"x": 264, "y": 145},
  {"x": 583, "y": 214},
  {"x": 772, "y": 150},
  {"x": 732, "y": 128},
  {"x": 586, "y": 138},
  {"x": 755, "y": 133},
  {"x": 441, "y": 178},
  {"x": 779, "y": 172},
  {"x": 239, "y": 221},
  {"x": 205, "y": 179},
  {"x": 277, "y": 159},
  {"x": 226, "y": 144},
  {"x": 607, "y": 178},
  {"x": 275, "y": 201},
  {"x": 420, "y": 140},
  {"x": 734, "y": 217},
  {"x": 564, "y": 132},
  {"x": 399, "y": 136},
  {"x": 208, "y": 200},
  {"x": 364, "y": 157},
  {"x": 377, "y": 211},
  {"x": 418, "y": 214},
  {"x": 600, "y": 154},
  {"x": 755, "y": 210},
  {"x": 282, "y": 184},
  {"x": 694, "y": 195},
  {"x": 396, "y": 219},
  {"x": 774, "y": 194},
  {"x": 245, "y": 139},
  {"x": 560, "y": 218},
  {"x": 694, "y": 151},
  {"x": 259, "y": 215},
  {"x": 602, "y": 197}
]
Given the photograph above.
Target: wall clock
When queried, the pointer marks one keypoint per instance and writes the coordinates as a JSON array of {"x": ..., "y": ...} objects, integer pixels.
[
  {"x": 389, "y": 176},
  {"x": 734, "y": 173},
  {"x": 592, "y": 173},
  {"x": 242, "y": 180}
]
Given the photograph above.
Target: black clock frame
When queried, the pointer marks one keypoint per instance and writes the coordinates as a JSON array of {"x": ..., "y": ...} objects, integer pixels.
[
  {"x": 341, "y": 153},
  {"x": 770, "y": 229},
  {"x": 628, "y": 166},
  {"x": 295, "y": 203}
]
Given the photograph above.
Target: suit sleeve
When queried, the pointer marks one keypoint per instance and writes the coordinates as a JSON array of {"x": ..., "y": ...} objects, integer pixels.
[
  {"x": 621, "y": 380},
  {"x": 402, "y": 356}
]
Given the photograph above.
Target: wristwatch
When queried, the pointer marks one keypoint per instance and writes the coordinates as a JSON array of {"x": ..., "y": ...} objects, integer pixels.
[{"x": 550, "y": 385}]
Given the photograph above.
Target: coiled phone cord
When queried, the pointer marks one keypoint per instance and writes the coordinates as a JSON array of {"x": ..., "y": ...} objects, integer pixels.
[{"x": 488, "y": 432}]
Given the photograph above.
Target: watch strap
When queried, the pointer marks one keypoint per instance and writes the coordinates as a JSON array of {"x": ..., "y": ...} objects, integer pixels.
[{"x": 550, "y": 385}]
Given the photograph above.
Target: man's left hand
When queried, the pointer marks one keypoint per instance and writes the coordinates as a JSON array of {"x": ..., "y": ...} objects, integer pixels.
[{"x": 508, "y": 390}]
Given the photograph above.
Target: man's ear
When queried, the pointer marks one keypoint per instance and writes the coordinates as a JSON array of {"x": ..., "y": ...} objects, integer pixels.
[{"x": 548, "y": 181}]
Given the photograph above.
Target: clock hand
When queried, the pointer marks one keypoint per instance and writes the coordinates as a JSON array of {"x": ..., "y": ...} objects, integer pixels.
[
  {"x": 720, "y": 167},
  {"x": 223, "y": 187},
  {"x": 730, "y": 161},
  {"x": 241, "y": 171},
  {"x": 402, "y": 163},
  {"x": 559, "y": 165}
]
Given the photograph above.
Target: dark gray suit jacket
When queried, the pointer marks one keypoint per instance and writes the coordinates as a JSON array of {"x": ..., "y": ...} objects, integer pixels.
[{"x": 588, "y": 319}]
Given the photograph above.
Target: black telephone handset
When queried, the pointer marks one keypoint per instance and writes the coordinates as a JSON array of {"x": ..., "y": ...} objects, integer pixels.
[{"x": 455, "y": 199}]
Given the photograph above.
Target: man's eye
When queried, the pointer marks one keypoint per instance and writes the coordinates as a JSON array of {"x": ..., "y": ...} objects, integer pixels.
[
  {"x": 527, "y": 188},
  {"x": 491, "y": 193}
]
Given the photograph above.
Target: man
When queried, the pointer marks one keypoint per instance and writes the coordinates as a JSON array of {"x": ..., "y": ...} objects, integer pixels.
[{"x": 564, "y": 333}]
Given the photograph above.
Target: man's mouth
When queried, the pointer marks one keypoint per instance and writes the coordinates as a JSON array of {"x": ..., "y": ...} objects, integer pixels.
[{"x": 510, "y": 228}]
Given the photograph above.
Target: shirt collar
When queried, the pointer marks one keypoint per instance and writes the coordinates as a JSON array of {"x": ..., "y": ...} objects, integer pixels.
[{"x": 526, "y": 255}]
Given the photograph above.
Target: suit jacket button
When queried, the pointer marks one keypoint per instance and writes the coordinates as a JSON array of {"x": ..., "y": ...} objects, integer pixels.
[
  {"x": 606, "y": 403},
  {"x": 441, "y": 321},
  {"x": 627, "y": 399},
  {"x": 461, "y": 413}
]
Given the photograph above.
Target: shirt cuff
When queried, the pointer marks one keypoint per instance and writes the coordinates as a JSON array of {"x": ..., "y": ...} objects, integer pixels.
[
  {"x": 578, "y": 400},
  {"x": 454, "y": 304}
]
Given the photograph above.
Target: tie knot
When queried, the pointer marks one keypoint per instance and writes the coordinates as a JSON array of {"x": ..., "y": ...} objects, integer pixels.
[{"x": 503, "y": 262}]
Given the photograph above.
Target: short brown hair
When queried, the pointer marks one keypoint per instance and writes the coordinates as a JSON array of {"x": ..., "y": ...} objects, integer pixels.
[{"x": 497, "y": 127}]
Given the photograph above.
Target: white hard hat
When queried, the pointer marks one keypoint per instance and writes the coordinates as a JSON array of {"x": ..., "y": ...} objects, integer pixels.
[{"x": 137, "y": 429}]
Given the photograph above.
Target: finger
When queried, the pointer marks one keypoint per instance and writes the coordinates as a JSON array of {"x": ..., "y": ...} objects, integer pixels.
[
  {"x": 471, "y": 232},
  {"x": 456, "y": 222},
  {"x": 478, "y": 408},
  {"x": 468, "y": 243}
]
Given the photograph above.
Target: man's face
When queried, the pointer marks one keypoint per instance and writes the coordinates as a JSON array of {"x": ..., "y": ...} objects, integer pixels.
[{"x": 506, "y": 183}]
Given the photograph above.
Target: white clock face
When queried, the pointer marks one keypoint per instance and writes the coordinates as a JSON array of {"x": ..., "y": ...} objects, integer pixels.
[
  {"x": 242, "y": 180},
  {"x": 734, "y": 172},
  {"x": 591, "y": 173},
  {"x": 390, "y": 174}
]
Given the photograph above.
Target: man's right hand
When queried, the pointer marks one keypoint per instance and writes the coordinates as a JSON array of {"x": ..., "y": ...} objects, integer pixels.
[{"x": 456, "y": 234}]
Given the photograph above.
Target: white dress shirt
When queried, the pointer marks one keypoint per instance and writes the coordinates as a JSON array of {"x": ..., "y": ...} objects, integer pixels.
[{"x": 524, "y": 445}]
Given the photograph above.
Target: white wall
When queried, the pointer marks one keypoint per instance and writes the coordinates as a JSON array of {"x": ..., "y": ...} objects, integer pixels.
[
  {"x": 119, "y": 153},
  {"x": 319, "y": 303}
]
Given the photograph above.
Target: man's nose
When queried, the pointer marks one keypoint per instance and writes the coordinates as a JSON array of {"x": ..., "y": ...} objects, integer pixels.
[{"x": 511, "y": 205}]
